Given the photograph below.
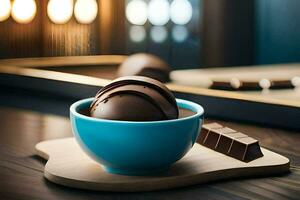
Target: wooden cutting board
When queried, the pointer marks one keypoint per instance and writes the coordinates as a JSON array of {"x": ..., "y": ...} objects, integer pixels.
[{"x": 68, "y": 165}]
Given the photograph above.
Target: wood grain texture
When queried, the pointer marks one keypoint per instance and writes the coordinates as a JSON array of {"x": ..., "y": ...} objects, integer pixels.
[
  {"x": 111, "y": 25},
  {"x": 21, "y": 40},
  {"x": 21, "y": 173},
  {"x": 42, "y": 37},
  {"x": 69, "y": 39},
  {"x": 68, "y": 165}
]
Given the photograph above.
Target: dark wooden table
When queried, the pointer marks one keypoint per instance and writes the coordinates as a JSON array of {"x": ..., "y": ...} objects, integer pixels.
[{"x": 26, "y": 119}]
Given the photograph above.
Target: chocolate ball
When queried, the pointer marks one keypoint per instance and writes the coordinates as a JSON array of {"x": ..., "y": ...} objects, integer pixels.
[
  {"x": 134, "y": 98},
  {"x": 148, "y": 65}
]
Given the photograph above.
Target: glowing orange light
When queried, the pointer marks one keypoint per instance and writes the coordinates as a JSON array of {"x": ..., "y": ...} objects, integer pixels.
[
  {"x": 5, "y": 7},
  {"x": 60, "y": 11},
  {"x": 85, "y": 11},
  {"x": 23, "y": 11}
]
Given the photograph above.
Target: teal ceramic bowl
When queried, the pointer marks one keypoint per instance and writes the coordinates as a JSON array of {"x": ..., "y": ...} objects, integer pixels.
[{"x": 136, "y": 148}]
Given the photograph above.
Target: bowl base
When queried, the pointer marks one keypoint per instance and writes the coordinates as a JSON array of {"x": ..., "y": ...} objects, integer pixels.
[{"x": 135, "y": 172}]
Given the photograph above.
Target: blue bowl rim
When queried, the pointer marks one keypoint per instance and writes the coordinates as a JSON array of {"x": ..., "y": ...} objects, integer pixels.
[{"x": 199, "y": 113}]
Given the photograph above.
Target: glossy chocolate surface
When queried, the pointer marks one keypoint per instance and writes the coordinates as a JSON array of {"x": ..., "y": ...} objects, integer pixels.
[{"x": 135, "y": 98}]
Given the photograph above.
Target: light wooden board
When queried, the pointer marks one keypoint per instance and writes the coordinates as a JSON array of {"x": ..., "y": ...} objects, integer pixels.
[
  {"x": 204, "y": 77},
  {"x": 68, "y": 165}
]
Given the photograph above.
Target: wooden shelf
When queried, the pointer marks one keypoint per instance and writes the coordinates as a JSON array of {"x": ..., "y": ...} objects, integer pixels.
[{"x": 32, "y": 73}]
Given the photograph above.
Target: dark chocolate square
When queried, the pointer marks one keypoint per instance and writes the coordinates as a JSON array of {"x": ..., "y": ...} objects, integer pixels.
[
  {"x": 205, "y": 129},
  {"x": 237, "y": 150},
  {"x": 253, "y": 152},
  {"x": 226, "y": 140},
  {"x": 245, "y": 149},
  {"x": 223, "y": 144},
  {"x": 202, "y": 135},
  {"x": 211, "y": 139}
]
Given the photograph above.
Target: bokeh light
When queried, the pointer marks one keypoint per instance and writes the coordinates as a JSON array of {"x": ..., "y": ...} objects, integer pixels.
[
  {"x": 159, "y": 12},
  {"x": 60, "y": 11},
  {"x": 85, "y": 11},
  {"x": 137, "y": 33},
  {"x": 158, "y": 34},
  {"x": 136, "y": 12},
  {"x": 181, "y": 12},
  {"x": 5, "y": 7},
  {"x": 179, "y": 33},
  {"x": 23, "y": 11}
]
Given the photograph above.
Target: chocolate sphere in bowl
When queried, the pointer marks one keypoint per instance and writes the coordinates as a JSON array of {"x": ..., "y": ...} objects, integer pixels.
[
  {"x": 148, "y": 65},
  {"x": 134, "y": 98}
]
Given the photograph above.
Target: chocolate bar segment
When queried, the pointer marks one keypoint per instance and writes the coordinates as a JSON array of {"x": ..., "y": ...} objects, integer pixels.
[
  {"x": 235, "y": 84},
  {"x": 226, "y": 141},
  {"x": 213, "y": 136},
  {"x": 281, "y": 84},
  {"x": 205, "y": 130},
  {"x": 230, "y": 142},
  {"x": 211, "y": 139},
  {"x": 245, "y": 149}
]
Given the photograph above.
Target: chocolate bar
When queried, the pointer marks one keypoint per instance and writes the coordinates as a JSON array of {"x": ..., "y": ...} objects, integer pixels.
[
  {"x": 235, "y": 84},
  {"x": 276, "y": 84},
  {"x": 281, "y": 84},
  {"x": 229, "y": 142}
]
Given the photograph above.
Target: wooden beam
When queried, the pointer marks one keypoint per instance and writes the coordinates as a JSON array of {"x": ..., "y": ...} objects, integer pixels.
[{"x": 112, "y": 26}]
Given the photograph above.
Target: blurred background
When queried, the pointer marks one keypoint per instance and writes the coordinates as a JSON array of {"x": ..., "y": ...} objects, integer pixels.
[{"x": 185, "y": 33}]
